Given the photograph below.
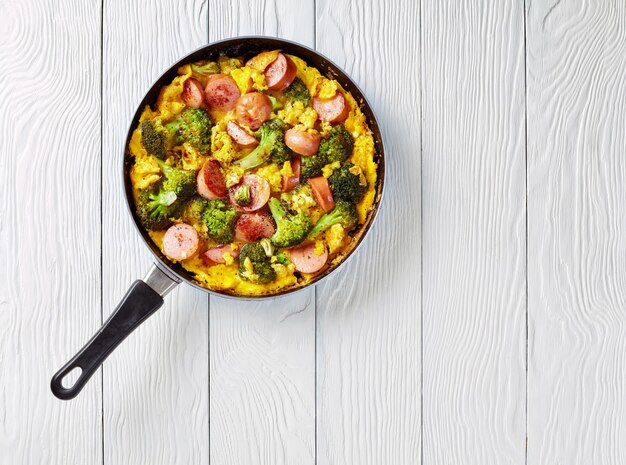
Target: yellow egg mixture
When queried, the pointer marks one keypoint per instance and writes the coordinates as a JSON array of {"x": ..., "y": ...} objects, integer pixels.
[{"x": 250, "y": 77}]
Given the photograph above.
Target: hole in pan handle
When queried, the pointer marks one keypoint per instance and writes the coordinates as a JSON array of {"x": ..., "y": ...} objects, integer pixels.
[{"x": 142, "y": 300}]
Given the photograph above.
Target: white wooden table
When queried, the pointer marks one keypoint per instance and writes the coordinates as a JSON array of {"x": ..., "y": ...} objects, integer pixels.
[{"x": 483, "y": 322}]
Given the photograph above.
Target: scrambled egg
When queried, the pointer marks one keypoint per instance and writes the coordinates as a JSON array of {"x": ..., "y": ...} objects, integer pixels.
[
  {"x": 248, "y": 79},
  {"x": 272, "y": 173},
  {"x": 222, "y": 146}
]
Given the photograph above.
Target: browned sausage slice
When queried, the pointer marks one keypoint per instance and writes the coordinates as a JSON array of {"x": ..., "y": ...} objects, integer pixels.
[
  {"x": 290, "y": 182},
  {"x": 240, "y": 136},
  {"x": 333, "y": 110},
  {"x": 306, "y": 260},
  {"x": 251, "y": 227},
  {"x": 193, "y": 94},
  {"x": 210, "y": 181},
  {"x": 302, "y": 142},
  {"x": 280, "y": 73},
  {"x": 221, "y": 92},
  {"x": 322, "y": 193},
  {"x": 259, "y": 192},
  {"x": 180, "y": 241},
  {"x": 253, "y": 109},
  {"x": 216, "y": 254}
]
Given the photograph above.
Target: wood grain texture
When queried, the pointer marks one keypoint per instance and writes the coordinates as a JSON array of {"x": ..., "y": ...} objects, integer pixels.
[
  {"x": 473, "y": 230},
  {"x": 576, "y": 218},
  {"x": 50, "y": 271},
  {"x": 156, "y": 382},
  {"x": 368, "y": 314},
  {"x": 263, "y": 353},
  {"x": 263, "y": 381}
]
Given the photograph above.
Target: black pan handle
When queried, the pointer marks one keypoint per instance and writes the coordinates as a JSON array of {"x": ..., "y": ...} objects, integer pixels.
[{"x": 141, "y": 301}]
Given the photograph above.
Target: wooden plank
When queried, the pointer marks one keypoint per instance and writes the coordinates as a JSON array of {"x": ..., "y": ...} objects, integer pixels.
[
  {"x": 368, "y": 328},
  {"x": 49, "y": 226},
  {"x": 474, "y": 232},
  {"x": 156, "y": 383},
  {"x": 263, "y": 354},
  {"x": 576, "y": 217}
]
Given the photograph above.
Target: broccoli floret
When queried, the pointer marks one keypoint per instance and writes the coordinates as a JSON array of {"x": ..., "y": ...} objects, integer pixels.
[
  {"x": 297, "y": 92},
  {"x": 243, "y": 196},
  {"x": 181, "y": 182},
  {"x": 157, "y": 205},
  {"x": 311, "y": 167},
  {"x": 204, "y": 69},
  {"x": 155, "y": 208},
  {"x": 193, "y": 126},
  {"x": 291, "y": 228},
  {"x": 194, "y": 209},
  {"x": 338, "y": 146},
  {"x": 281, "y": 258},
  {"x": 272, "y": 145},
  {"x": 219, "y": 219},
  {"x": 346, "y": 185},
  {"x": 255, "y": 265},
  {"x": 276, "y": 105},
  {"x": 155, "y": 138},
  {"x": 344, "y": 213}
]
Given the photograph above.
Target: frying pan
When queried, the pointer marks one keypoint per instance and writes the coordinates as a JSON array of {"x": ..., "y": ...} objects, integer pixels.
[{"x": 145, "y": 296}]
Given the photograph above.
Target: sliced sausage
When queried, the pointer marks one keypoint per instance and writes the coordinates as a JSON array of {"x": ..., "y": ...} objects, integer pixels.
[
  {"x": 210, "y": 181},
  {"x": 259, "y": 192},
  {"x": 322, "y": 193},
  {"x": 333, "y": 110},
  {"x": 290, "y": 182},
  {"x": 240, "y": 136},
  {"x": 253, "y": 109},
  {"x": 306, "y": 260},
  {"x": 216, "y": 254},
  {"x": 180, "y": 241},
  {"x": 221, "y": 92},
  {"x": 251, "y": 227},
  {"x": 302, "y": 142},
  {"x": 193, "y": 93},
  {"x": 280, "y": 73}
]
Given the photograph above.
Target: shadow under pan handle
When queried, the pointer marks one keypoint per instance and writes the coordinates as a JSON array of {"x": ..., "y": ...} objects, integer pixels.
[{"x": 142, "y": 300}]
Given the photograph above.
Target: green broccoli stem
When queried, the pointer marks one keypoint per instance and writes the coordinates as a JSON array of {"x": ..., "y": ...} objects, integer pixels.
[
  {"x": 165, "y": 168},
  {"x": 276, "y": 105},
  {"x": 205, "y": 69},
  {"x": 277, "y": 210},
  {"x": 271, "y": 146},
  {"x": 326, "y": 222},
  {"x": 164, "y": 199},
  {"x": 268, "y": 247},
  {"x": 255, "y": 158},
  {"x": 173, "y": 126}
]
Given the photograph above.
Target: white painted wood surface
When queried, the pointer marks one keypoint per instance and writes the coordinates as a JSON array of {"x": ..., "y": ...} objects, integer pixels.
[
  {"x": 483, "y": 236},
  {"x": 577, "y": 242},
  {"x": 49, "y": 226},
  {"x": 473, "y": 226}
]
